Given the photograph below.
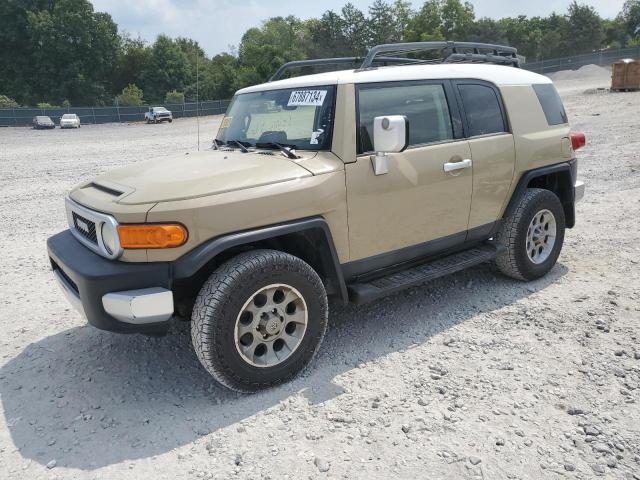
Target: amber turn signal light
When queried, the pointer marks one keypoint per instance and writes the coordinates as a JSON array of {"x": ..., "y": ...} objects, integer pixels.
[{"x": 152, "y": 236}]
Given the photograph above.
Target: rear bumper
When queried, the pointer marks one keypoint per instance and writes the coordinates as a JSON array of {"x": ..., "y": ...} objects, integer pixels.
[{"x": 111, "y": 295}]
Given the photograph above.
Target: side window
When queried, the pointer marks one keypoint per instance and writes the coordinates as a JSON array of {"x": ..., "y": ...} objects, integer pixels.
[
  {"x": 425, "y": 106},
  {"x": 482, "y": 108},
  {"x": 551, "y": 103}
]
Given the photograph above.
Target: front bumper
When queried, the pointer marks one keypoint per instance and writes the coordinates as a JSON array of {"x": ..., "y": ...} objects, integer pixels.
[{"x": 115, "y": 296}]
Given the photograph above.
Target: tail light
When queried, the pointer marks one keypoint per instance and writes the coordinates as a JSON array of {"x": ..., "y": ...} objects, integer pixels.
[{"x": 578, "y": 140}]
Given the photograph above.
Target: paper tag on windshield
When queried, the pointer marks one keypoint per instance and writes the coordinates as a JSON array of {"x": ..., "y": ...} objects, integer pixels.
[
  {"x": 311, "y": 98},
  {"x": 226, "y": 121}
]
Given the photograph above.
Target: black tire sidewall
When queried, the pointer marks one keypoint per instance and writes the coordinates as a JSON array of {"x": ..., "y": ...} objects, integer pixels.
[
  {"x": 242, "y": 374},
  {"x": 541, "y": 201}
]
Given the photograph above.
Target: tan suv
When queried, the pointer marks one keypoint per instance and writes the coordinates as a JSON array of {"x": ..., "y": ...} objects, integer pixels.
[{"x": 350, "y": 184}]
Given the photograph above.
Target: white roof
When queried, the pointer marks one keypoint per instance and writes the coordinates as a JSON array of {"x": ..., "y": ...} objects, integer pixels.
[{"x": 496, "y": 74}]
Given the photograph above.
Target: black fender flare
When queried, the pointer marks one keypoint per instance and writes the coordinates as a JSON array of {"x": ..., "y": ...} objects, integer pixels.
[
  {"x": 568, "y": 203},
  {"x": 192, "y": 262}
]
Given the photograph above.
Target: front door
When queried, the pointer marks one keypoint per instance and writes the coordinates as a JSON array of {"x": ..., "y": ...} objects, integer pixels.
[{"x": 422, "y": 204}]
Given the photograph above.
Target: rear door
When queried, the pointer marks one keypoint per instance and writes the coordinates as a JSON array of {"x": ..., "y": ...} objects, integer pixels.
[
  {"x": 417, "y": 206},
  {"x": 492, "y": 151}
]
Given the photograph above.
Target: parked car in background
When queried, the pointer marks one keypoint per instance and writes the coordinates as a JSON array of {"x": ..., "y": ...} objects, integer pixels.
[
  {"x": 158, "y": 114},
  {"x": 69, "y": 120},
  {"x": 42, "y": 121}
]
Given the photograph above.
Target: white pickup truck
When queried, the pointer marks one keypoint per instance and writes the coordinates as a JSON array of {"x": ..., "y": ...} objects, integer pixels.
[{"x": 158, "y": 115}]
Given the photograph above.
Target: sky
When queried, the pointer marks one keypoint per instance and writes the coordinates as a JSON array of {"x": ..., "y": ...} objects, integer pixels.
[{"x": 217, "y": 24}]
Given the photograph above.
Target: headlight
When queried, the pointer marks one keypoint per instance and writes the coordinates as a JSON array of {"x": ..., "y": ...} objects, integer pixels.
[{"x": 109, "y": 238}]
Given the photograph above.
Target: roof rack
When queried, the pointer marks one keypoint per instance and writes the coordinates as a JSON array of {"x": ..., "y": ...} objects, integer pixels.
[
  {"x": 380, "y": 61},
  {"x": 454, "y": 52}
]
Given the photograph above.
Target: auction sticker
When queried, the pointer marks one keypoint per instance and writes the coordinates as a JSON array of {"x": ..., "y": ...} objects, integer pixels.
[
  {"x": 226, "y": 121},
  {"x": 311, "y": 98}
]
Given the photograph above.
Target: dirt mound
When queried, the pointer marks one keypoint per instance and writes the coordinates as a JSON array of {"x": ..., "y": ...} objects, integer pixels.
[{"x": 585, "y": 73}]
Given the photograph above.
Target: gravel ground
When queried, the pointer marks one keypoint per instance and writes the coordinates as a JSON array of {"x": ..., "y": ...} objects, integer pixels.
[{"x": 471, "y": 376}]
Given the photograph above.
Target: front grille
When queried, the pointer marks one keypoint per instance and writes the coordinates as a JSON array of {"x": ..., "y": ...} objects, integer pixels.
[{"x": 85, "y": 227}]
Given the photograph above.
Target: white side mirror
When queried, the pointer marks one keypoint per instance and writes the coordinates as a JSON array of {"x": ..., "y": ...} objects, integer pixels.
[{"x": 390, "y": 135}]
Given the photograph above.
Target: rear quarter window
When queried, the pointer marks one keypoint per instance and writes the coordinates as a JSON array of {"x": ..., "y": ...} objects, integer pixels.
[
  {"x": 482, "y": 109},
  {"x": 551, "y": 103}
]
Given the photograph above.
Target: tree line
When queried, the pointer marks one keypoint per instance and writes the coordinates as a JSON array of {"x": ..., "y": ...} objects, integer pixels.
[{"x": 63, "y": 52}]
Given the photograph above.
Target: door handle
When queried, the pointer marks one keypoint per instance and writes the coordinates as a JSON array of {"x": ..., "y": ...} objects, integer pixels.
[{"x": 451, "y": 166}]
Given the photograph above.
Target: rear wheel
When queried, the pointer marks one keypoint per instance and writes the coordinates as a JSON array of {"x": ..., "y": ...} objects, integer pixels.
[
  {"x": 259, "y": 320},
  {"x": 533, "y": 235}
]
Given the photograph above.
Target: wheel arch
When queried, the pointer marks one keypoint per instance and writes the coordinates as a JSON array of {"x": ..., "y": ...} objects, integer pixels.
[
  {"x": 558, "y": 178},
  {"x": 309, "y": 239}
]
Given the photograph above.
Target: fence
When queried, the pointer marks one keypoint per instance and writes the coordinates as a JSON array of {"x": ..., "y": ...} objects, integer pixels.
[
  {"x": 602, "y": 58},
  {"x": 22, "y": 116}
]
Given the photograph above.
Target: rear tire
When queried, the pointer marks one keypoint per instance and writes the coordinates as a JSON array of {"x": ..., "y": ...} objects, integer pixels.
[
  {"x": 259, "y": 320},
  {"x": 533, "y": 236}
]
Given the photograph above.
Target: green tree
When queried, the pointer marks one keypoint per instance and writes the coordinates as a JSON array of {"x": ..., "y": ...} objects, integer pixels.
[
  {"x": 630, "y": 18},
  {"x": 173, "y": 97},
  {"x": 56, "y": 50},
  {"x": 426, "y": 23},
  {"x": 355, "y": 30},
  {"x": 456, "y": 19},
  {"x": 6, "y": 102},
  {"x": 381, "y": 23},
  {"x": 220, "y": 77},
  {"x": 585, "y": 33},
  {"x": 486, "y": 30},
  {"x": 133, "y": 59},
  {"x": 131, "y": 96},
  {"x": 263, "y": 50},
  {"x": 402, "y": 15},
  {"x": 168, "y": 68},
  {"x": 327, "y": 36}
]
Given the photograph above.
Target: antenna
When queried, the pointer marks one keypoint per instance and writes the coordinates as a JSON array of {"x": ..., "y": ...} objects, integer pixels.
[{"x": 198, "y": 97}]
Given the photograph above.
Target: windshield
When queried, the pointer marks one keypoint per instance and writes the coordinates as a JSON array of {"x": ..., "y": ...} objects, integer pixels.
[
  {"x": 160, "y": 109},
  {"x": 69, "y": 116},
  {"x": 301, "y": 118}
]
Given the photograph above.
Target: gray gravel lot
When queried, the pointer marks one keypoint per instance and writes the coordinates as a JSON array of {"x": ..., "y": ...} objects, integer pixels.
[{"x": 471, "y": 376}]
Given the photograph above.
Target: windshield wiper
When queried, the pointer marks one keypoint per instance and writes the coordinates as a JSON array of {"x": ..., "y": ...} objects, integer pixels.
[
  {"x": 216, "y": 144},
  {"x": 238, "y": 143},
  {"x": 286, "y": 149}
]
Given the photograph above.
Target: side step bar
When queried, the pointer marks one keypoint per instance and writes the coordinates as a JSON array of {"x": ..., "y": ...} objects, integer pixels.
[{"x": 363, "y": 292}]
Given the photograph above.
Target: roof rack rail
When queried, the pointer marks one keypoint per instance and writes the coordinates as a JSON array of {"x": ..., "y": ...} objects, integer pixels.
[
  {"x": 381, "y": 61},
  {"x": 454, "y": 52}
]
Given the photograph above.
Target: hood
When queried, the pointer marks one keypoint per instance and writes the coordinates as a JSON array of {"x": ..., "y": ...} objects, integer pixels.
[{"x": 197, "y": 174}]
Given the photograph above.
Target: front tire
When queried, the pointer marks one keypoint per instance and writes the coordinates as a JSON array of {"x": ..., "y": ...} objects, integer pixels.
[
  {"x": 259, "y": 320},
  {"x": 533, "y": 236}
]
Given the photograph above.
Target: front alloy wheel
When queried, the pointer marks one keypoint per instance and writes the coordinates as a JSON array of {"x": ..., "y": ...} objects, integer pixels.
[
  {"x": 271, "y": 325},
  {"x": 259, "y": 320}
]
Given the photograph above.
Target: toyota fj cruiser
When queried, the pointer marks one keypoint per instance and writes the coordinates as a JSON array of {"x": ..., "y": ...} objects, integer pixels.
[{"x": 350, "y": 184}]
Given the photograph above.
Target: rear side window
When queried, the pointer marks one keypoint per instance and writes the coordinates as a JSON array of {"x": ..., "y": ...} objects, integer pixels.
[
  {"x": 482, "y": 108},
  {"x": 425, "y": 106},
  {"x": 551, "y": 103}
]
